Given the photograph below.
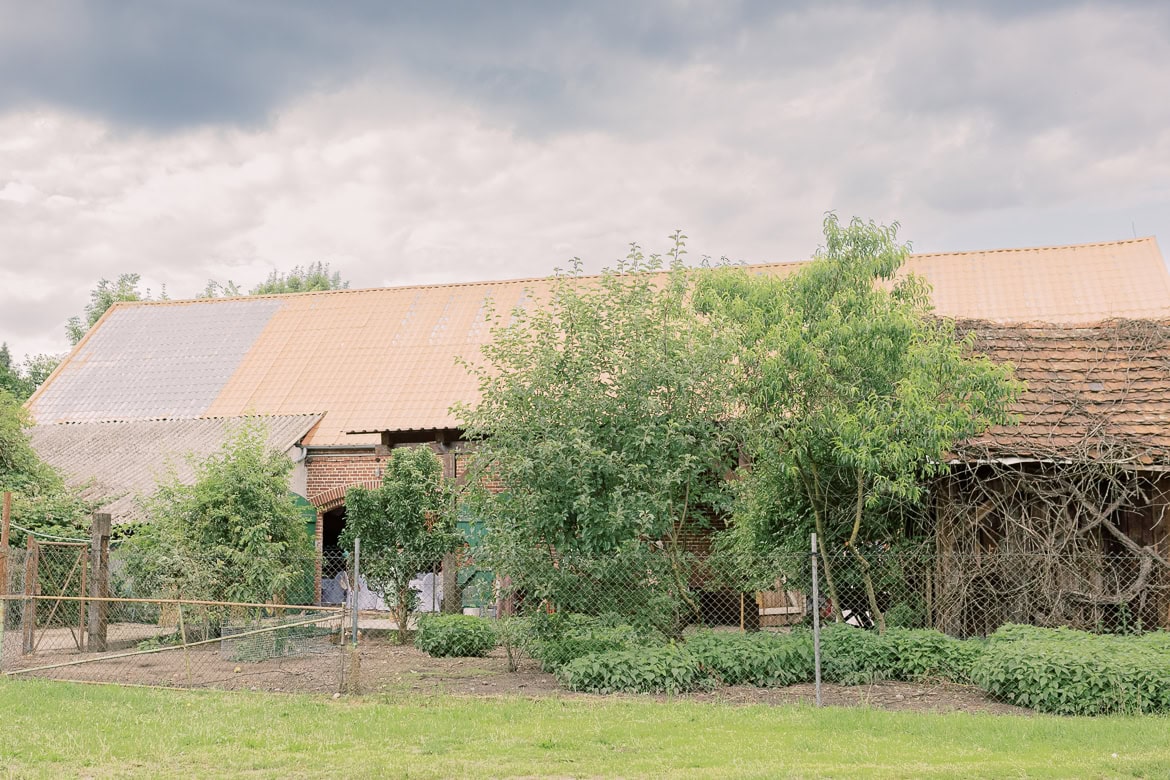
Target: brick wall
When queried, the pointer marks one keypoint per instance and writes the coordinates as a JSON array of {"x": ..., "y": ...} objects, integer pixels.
[
  {"x": 329, "y": 470},
  {"x": 332, "y": 470}
]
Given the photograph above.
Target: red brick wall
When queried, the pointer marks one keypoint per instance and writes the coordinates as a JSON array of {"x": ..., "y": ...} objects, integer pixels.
[{"x": 328, "y": 471}]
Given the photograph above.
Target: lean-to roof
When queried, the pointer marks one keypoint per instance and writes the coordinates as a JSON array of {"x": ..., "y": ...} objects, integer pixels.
[{"x": 121, "y": 461}]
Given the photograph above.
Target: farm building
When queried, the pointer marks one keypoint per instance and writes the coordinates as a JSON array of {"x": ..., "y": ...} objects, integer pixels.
[
  {"x": 345, "y": 375},
  {"x": 1081, "y": 482}
]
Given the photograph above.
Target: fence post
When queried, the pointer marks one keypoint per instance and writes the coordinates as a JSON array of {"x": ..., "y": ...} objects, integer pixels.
[
  {"x": 355, "y": 585},
  {"x": 28, "y": 613},
  {"x": 816, "y": 610},
  {"x": 99, "y": 586}
]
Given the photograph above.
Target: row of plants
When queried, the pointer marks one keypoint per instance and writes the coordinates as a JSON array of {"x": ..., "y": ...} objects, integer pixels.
[{"x": 1051, "y": 670}]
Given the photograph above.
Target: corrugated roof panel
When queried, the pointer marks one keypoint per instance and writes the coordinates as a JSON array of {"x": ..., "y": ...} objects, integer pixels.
[
  {"x": 123, "y": 461},
  {"x": 154, "y": 361},
  {"x": 385, "y": 359}
]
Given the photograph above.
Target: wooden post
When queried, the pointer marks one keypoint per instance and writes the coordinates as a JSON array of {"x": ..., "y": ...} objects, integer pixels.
[
  {"x": 28, "y": 613},
  {"x": 5, "y": 521},
  {"x": 99, "y": 585},
  {"x": 452, "y": 598}
]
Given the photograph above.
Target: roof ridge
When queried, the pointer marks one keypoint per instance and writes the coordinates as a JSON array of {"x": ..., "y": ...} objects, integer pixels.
[
  {"x": 1041, "y": 248},
  {"x": 550, "y": 277},
  {"x": 208, "y": 418}
]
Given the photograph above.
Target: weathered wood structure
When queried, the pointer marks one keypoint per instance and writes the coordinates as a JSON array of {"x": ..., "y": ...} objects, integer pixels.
[{"x": 1062, "y": 519}]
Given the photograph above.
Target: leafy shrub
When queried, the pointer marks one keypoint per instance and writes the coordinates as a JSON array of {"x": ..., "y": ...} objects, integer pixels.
[
  {"x": 761, "y": 659},
  {"x": 854, "y": 656},
  {"x": 455, "y": 636},
  {"x": 562, "y": 637},
  {"x": 1075, "y": 673},
  {"x": 513, "y": 633},
  {"x": 920, "y": 654},
  {"x": 658, "y": 669}
]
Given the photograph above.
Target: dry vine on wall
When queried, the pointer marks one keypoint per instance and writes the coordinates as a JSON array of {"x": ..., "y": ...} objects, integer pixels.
[{"x": 1061, "y": 520}]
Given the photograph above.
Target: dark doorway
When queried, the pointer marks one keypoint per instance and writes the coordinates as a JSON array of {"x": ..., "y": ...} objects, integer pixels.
[{"x": 332, "y": 556}]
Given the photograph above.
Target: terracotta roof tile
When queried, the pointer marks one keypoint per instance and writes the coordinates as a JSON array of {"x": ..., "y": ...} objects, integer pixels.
[{"x": 1092, "y": 391}]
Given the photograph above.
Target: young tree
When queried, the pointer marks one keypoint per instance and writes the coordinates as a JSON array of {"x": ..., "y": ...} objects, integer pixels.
[
  {"x": 602, "y": 413},
  {"x": 233, "y": 535},
  {"x": 405, "y": 527},
  {"x": 851, "y": 398},
  {"x": 101, "y": 298},
  {"x": 311, "y": 278}
]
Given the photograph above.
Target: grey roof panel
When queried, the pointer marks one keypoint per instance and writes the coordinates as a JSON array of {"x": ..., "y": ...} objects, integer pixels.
[
  {"x": 119, "y": 462},
  {"x": 154, "y": 361}
]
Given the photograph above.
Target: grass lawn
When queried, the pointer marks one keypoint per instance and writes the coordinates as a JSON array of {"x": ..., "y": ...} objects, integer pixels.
[{"x": 62, "y": 729}]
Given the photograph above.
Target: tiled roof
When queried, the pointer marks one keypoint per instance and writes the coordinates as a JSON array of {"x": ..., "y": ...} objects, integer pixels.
[
  {"x": 385, "y": 359},
  {"x": 123, "y": 460},
  {"x": 1100, "y": 391}
]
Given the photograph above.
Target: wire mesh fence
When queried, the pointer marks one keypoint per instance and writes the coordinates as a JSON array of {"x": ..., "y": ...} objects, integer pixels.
[{"x": 70, "y": 614}]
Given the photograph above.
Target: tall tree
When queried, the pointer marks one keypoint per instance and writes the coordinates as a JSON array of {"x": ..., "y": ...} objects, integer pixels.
[
  {"x": 101, "y": 298},
  {"x": 11, "y": 378},
  {"x": 851, "y": 398},
  {"x": 600, "y": 414},
  {"x": 313, "y": 277}
]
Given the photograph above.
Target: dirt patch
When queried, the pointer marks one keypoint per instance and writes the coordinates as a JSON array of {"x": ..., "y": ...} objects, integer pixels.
[{"x": 387, "y": 668}]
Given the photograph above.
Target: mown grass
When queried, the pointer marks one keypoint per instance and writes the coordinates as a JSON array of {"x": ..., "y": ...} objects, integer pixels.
[{"x": 60, "y": 729}]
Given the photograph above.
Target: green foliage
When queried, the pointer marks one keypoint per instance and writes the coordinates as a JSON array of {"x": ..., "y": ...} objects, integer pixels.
[
  {"x": 854, "y": 656},
  {"x": 851, "y": 396},
  {"x": 513, "y": 634},
  {"x": 405, "y": 526},
  {"x": 101, "y": 298},
  {"x": 1075, "y": 673},
  {"x": 665, "y": 668},
  {"x": 460, "y": 636},
  {"x": 41, "y": 500},
  {"x": 562, "y": 637},
  {"x": 12, "y": 380},
  {"x": 762, "y": 659},
  {"x": 600, "y": 412},
  {"x": 233, "y": 535},
  {"x": 311, "y": 278},
  {"x": 215, "y": 289}
]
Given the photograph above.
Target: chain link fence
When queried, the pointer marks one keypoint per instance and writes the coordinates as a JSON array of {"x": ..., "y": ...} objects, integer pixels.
[{"x": 71, "y": 614}]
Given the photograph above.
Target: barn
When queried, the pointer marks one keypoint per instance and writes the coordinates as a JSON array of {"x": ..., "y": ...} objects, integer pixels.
[{"x": 343, "y": 376}]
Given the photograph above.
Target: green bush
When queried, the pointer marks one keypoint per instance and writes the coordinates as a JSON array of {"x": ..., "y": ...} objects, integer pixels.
[
  {"x": 562, "y": 637},
  {"x": 455, "y": 636},
  {"x": 922, "y": 654},
  {"x": 1075, "y": 673},
  {"x": 657, "y": 669},
  {"x": 761, "y": 659},
  {"x": 854, "y": 656}
]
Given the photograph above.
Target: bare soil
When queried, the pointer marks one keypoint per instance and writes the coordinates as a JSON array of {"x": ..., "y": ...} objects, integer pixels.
[{"x": 386, "y": 668}]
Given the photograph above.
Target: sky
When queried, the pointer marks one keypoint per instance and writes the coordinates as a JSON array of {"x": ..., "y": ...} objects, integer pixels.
[{"x": 411, "y": 143}]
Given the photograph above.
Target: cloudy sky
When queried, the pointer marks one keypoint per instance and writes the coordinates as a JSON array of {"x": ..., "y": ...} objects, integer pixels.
[{"x": 405, "y": 143}]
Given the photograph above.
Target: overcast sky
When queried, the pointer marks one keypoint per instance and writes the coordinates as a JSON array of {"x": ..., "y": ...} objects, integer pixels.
[{"x": 404, "y": 143}]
